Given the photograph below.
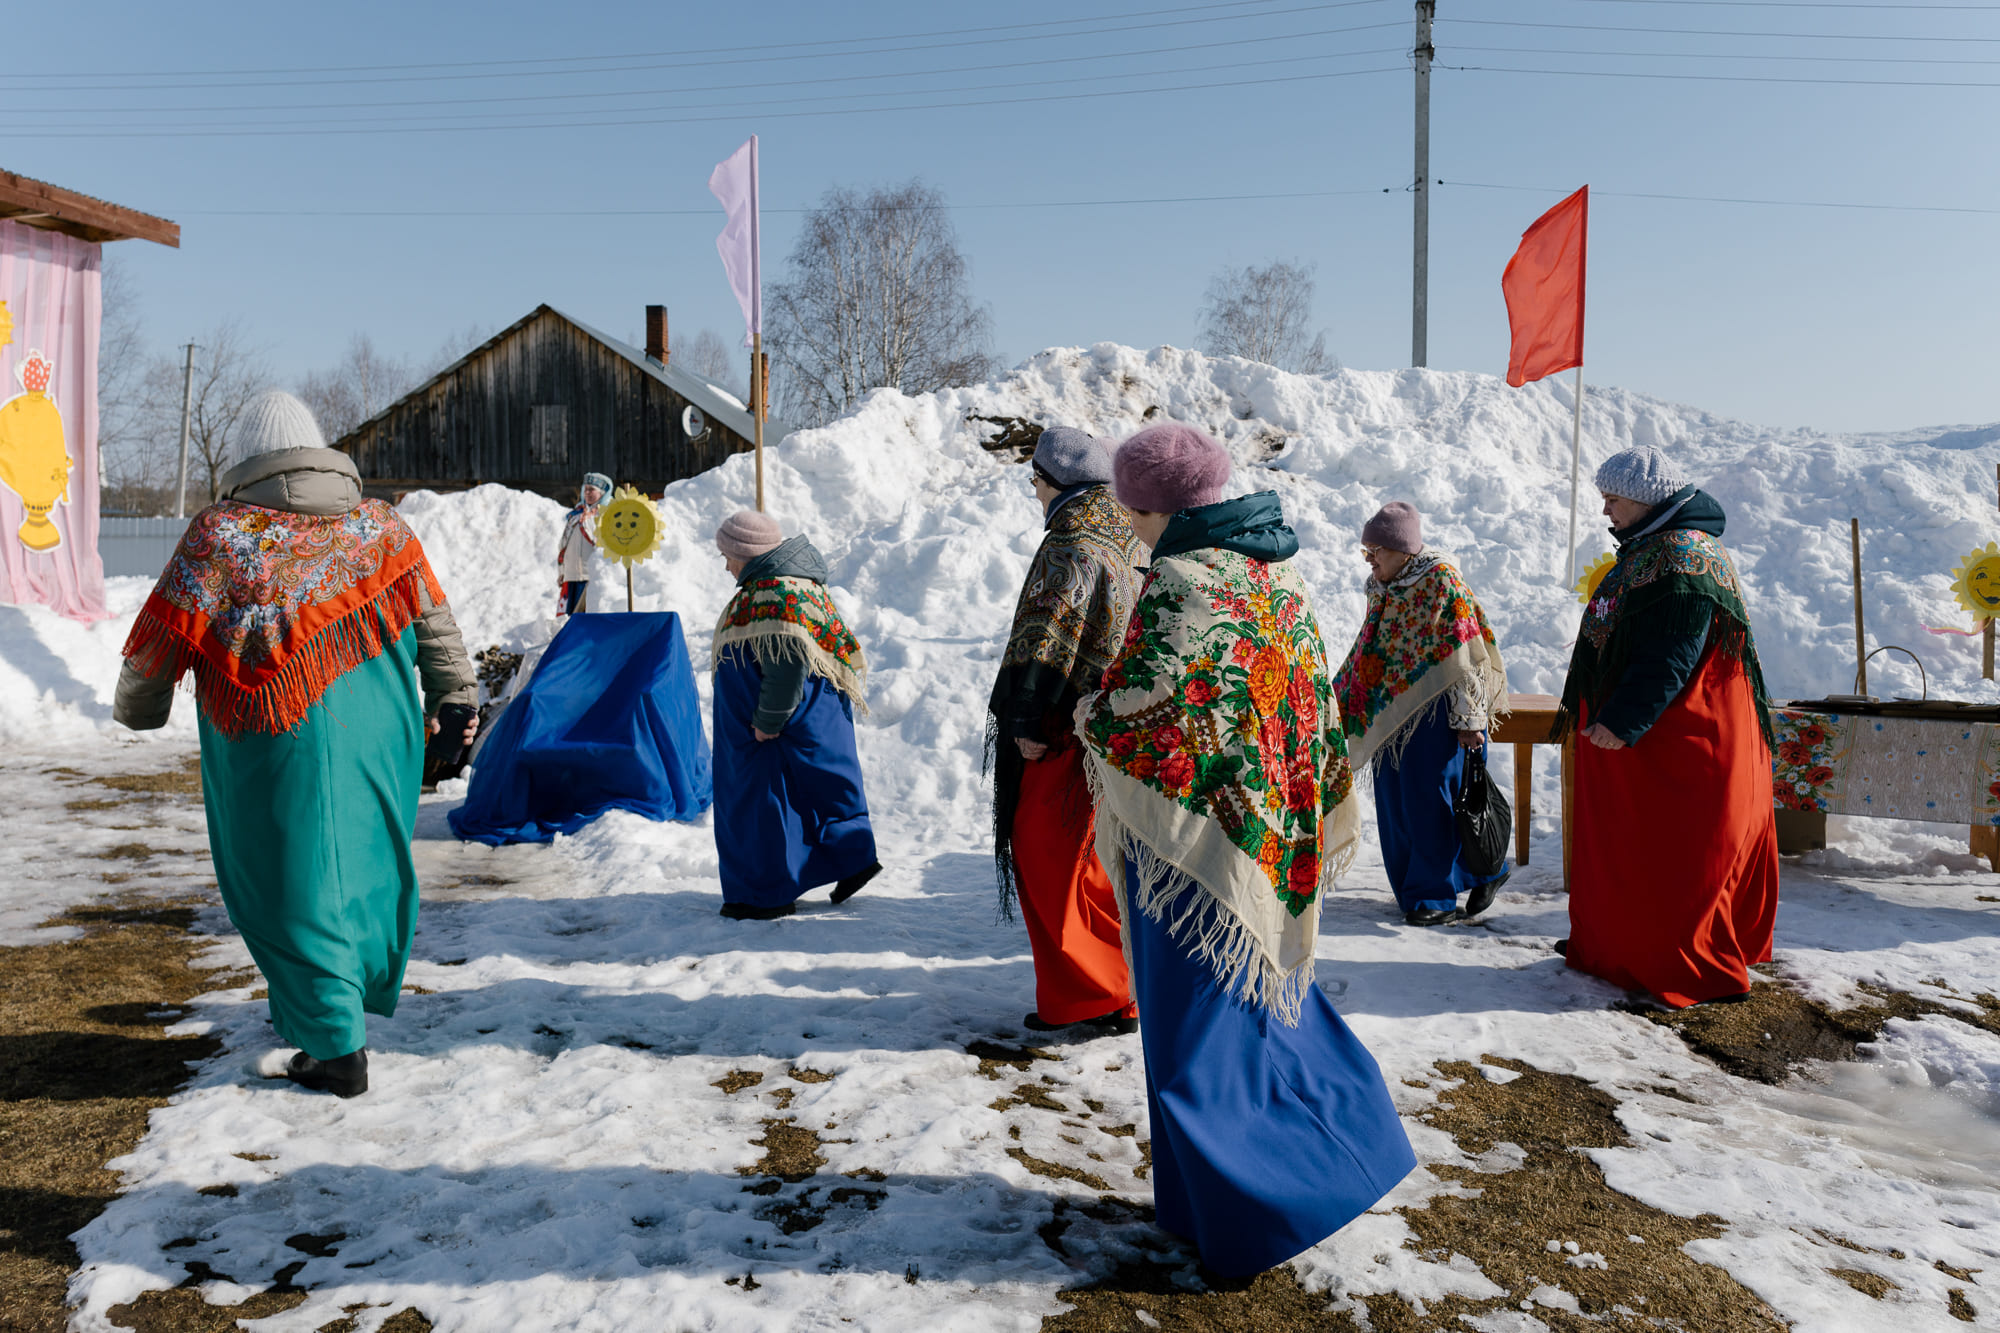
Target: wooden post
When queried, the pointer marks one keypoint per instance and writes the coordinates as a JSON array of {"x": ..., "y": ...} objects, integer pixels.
[
  {"x": 1524, "y": 797},
  {"x": 757, "y": 408},
  {"x": 1569, "y": 799},
  {"x": 1860, "y": 635},
  {"x": 630, "y": 605},
  {"x": 1986, "y": 657}
]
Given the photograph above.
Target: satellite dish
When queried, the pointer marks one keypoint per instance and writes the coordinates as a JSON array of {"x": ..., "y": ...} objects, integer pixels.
[{"x": 693, "y": 422}]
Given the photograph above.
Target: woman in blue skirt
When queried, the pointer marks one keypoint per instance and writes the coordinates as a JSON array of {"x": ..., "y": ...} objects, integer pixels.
[
  {"x": 1224, "y": 806},
  {"x": 1420, "y": 687},
  {"x": 790, "y": 811}
]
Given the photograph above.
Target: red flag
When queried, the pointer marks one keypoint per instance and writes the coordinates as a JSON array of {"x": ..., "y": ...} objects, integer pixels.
[{"x": 1544, "y": 289}]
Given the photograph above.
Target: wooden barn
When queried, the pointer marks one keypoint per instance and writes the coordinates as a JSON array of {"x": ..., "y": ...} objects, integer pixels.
[{"x": 546, "y": 400}]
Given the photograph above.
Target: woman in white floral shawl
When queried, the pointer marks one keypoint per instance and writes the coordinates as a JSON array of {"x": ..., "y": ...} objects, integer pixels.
[
  {"x": 1223, "y": 807},
  {"x": 1419, "y": 689}
]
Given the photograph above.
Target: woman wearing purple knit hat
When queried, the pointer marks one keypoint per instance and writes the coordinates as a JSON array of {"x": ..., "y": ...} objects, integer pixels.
[
  {"x": 790, "y": 810},
  {"x": 1419, "y": 689},
  {"x": 1224, "y": 807}
]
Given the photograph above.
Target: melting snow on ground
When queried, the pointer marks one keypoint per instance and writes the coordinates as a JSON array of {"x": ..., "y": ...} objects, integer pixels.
[{"x": 546, "y": 1146}]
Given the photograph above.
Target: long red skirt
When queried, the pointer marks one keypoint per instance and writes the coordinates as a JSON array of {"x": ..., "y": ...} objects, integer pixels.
[
  {"x": 1071, "y": 913},
  {"x": 1674, "y": 862}
]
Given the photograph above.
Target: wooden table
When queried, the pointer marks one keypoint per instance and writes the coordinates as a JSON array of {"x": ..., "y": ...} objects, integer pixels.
[{"x": 1530, "y": 722}]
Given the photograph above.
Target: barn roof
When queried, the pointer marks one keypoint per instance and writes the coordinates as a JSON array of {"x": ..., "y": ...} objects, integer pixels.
[{"x": 721, "y": 406}]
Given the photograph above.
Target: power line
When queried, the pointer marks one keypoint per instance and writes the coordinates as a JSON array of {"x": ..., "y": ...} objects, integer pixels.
[
  {"x": 1596, "y": 193},
  {"x": 7, "y": 131},
  {"x": 724, "y": 87},
  {"x": 678, "y": 59},
  {"x": 1714, "y": 32},
  {"x": 1725, "y": 55},
  {"x": 1809, "y": 4},
  {"x": 1725, "y": 78},
  {"x": 495, "y": 120}
]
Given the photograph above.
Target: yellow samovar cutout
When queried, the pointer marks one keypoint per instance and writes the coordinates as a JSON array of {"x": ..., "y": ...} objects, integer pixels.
[{"x": 34, "y": 457}]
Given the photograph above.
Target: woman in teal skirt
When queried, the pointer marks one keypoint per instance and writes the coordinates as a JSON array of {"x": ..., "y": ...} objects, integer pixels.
[{"x": 309, "y": 618}]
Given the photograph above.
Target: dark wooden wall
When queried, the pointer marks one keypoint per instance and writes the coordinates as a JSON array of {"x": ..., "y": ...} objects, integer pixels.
[{"x": 474, "y": 425}]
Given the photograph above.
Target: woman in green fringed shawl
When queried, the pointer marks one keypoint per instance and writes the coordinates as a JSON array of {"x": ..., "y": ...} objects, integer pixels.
[
  {"x": 308, "y": 617},
  {"x": 1674, "y": 858}
]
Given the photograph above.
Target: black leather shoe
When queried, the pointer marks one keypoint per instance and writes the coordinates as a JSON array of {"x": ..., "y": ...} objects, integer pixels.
[
  {"x": 343, "y": 1076},
  {"x": 1111, "y": 1024},
  {"x": 1430, "y": 916},
  {"x": 851, "y": 885},
  {"x": 1562, "y": 947},
  {"x": 749, "y": 912},
  {"x": 1482, "y": 897}
]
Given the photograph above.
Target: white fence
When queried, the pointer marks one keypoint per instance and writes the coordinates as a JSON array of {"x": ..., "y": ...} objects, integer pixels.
[{"x": 137, "y": 545}]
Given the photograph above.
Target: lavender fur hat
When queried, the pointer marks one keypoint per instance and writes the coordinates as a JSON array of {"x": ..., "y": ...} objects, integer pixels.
[
  {"x": 1170, "y": 467},
  {"x": 745, "y": 535},
  {"x": 1397, "y": 526},
  {"x": 1072, "y": 457},
  {"x": 1643, "y": 474}
]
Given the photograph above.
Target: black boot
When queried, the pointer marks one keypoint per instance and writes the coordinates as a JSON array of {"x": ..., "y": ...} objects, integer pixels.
[
  {"x": 343, "y": 1076},
  {"x": 1482, "y": 897},
  {"x": 1430, "y": 916},
  {"x": 851, "y": 885},
  {"x": 751, "y": 912}
]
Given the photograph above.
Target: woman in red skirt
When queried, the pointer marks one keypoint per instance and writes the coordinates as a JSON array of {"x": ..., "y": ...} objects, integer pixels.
[{"x": 1674, "y": 859}]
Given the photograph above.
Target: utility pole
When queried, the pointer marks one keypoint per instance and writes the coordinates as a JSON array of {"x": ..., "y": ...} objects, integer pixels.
[
  {"x": 187, "y": 398},
  {"x": 1420, "y": 287}
]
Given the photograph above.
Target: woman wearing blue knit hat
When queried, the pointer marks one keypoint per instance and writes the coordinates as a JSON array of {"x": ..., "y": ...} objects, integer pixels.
[
  {"x": 572, "y": 563},
  {"x": 1674, "y": 858}
]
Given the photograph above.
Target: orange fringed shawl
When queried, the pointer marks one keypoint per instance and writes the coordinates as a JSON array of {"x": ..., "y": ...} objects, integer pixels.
[{"x": 269, "y": 608}]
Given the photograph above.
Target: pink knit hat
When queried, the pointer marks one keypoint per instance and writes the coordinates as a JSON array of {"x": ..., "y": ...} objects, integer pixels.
[
  {"x": 745, "y": 535},
  {"x": 1169, "y": 467},
  {"x": 1396, "y": 526}
]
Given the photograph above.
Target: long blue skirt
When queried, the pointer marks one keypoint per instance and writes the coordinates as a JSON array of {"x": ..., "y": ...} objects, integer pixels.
[
  {"x": 1420, "y": 847},
  {"x": 790, "y": 814},
  {"x": 1267, "y": 1138}
]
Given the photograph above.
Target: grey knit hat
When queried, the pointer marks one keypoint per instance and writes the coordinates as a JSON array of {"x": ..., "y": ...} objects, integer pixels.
[
  {"x": 1397, "y": 526},
  {"x": 275, "y": 420},
  {"x": 1073, "y": 457},
  {"x": 1642, "y": 473},
  {"x": 746, "y": 534},
  {"x": 599, "y": 480}
]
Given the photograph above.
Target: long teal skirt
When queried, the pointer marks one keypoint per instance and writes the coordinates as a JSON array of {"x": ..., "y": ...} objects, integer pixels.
[{"x": 310, "y": 831}]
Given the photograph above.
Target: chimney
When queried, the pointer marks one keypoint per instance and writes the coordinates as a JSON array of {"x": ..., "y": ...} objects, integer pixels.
[{"x": 656, "y": 333}]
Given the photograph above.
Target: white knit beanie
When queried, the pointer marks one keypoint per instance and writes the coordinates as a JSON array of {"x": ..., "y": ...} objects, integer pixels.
[
  {"x": 276, "y": 420},
  {"x": 1641, "y": 473}
]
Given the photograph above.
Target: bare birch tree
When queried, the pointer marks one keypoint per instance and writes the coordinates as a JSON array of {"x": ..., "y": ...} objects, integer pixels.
[
  {"x": 877, "y": 296},
  {"x": 229, "y": 371},
  {"x": 132, "y": 467},
  {"x": 363, "y": 383},
  {"x": 1261, "y": 314},
  {"x": 708, "y": 356}
]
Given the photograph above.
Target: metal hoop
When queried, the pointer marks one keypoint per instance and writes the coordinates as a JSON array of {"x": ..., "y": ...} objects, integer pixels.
[{"x": 1922, "y": 675}]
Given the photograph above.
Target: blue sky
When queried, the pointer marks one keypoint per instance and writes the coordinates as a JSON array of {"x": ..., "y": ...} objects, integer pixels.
[{"x": 1832, "y": 318}]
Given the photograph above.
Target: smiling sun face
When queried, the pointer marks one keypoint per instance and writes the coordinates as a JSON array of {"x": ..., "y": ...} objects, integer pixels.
[
  {"x": 629, "y": 528},
  {"x": 1977, "y": 582}
]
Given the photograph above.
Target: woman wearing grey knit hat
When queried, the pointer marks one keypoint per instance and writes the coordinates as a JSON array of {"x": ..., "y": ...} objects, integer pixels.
[
  {"x": 790, "y": 810},
  {"x": 1674, "y": 760},
  {"x": 1419, "y": 689},
  {"x": 320, "y": 643}
]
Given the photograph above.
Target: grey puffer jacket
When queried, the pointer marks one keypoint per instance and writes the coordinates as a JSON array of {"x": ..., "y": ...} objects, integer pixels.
[{"x": 318, "y": 482}]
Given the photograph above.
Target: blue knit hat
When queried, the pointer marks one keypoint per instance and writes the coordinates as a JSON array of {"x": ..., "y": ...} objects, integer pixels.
[
  {"x": 599, "y": 480},
  {"x": 1643, "y": 474},
  {"x": 1073, "y": 457}
]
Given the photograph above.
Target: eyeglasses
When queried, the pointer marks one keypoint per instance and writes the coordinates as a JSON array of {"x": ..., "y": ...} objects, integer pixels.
[
  {"x": 1036, "y": 474},
  {"x": 1369, "y": 552}
]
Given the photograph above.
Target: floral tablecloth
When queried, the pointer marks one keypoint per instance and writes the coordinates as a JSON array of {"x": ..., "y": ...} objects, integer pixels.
[{"x": 1891, "y": 767}]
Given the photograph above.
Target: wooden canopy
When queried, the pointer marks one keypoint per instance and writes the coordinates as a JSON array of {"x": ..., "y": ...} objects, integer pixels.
[{"x": 39, "y": 204}]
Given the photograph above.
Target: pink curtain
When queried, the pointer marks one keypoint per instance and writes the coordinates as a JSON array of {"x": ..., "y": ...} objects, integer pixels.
[{"x": 48, "y": 421}]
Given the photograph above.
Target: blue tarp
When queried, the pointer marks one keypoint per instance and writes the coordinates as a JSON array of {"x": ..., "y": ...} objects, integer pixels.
[{"x": 610, "y": 721}]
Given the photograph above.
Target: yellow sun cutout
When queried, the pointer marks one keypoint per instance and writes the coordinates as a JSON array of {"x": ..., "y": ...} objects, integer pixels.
[
  {"x": 1977, "y": 582},
  {"x": 1593, "y": 574},
  {"x": 629, "y": 528}
]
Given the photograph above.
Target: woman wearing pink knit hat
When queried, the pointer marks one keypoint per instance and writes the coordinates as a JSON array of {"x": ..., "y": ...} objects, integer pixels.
[
  {"x": 1224, "y": 808},
  {"x": 790, "y": 810}
]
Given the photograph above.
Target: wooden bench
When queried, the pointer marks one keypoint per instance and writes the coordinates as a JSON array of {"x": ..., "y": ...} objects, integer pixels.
[{"x": 1531, "y": 721}]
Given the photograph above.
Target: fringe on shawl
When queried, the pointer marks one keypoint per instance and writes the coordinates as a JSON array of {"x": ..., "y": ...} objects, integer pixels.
[
  {"x": 280, "y": 704},
  {"x": 1201, "y": 923},
  {"x": 1726, "y": 634},
  {"x": 1430, "y": 688},
  {"x": 782, "y": 641}
]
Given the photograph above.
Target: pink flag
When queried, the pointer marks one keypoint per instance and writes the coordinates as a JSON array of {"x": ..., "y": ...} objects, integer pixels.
[
  {"x": 734, "y": 182},
  {"x": 49, "y": 314}
]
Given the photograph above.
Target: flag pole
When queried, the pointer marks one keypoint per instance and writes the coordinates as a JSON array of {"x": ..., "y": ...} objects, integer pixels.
[
  {"x": 1575, "y": 457},
  {"x": 757, "y": 324},
  {"x": 757, "y": 408}
]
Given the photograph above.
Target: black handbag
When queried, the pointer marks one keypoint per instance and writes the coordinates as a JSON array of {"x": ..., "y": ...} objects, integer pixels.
[
  {"x": 1485, "y": 820},
  {"x": 445, "y": 752}
]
